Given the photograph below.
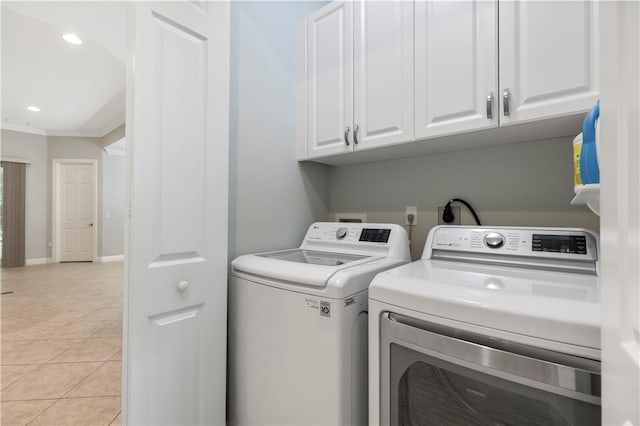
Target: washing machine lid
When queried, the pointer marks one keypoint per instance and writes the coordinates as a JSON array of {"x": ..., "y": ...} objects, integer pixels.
[
  {"x": 551, "y": 305},
  {"x": 313, "y": 257},
  {"x": 299, "y": 266}
]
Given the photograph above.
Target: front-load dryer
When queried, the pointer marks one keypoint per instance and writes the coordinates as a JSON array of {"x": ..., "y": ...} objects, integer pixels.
[
  {"x": 298, "y": 326},
  {"x": 493, "y": 326}
]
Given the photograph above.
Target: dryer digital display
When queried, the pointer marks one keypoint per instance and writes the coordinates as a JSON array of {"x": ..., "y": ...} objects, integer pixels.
[{"x": 559, "y": 243}]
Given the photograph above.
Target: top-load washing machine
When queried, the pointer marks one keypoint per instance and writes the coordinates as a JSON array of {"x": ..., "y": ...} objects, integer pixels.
[
  {"x": 493, "y": 326},
  {"x": 298, "y": 326}
]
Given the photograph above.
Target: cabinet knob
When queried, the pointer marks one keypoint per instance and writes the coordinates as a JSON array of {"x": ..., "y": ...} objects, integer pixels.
[
  {"x": 355, "y": 134},
  {"x": 183, "y": 285},
  {"x": 505, "y": 102},
  {"x": 490, "y": 106},
  {"x": 346, "y": 135}
]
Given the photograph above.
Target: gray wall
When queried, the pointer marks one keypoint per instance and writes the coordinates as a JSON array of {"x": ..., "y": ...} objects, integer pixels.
[
  {"x": 34, "y": 148},
  {"x": 113, "y": 205},
  {"x": 273, "y": 198},
  {"x": 527, "y": 184},
  {"x": 41, "y": 150}
]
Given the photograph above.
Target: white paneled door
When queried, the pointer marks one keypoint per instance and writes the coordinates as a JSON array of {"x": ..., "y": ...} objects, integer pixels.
[
  {"x": 330, "y": 80},
  {"x": 548, "y": 58},
  {"x": 176, "y": 257},
  {"x": 456, "y": 67},
  {"x": 618, "y": 158},
  {"x": 76, "y": 211},
  {"x": 382, "y": 73}
]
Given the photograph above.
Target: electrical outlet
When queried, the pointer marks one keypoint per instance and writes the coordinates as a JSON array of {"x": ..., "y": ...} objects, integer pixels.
[
  {"x": 456, "y": 216},
  {"x": 414, "y": 211}
]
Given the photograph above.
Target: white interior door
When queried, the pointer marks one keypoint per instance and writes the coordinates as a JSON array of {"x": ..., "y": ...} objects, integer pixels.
[
  {"x": 620, "y": 207},
  {"x": 76, "y": 207},
  {"x": 176, "y": 256}
]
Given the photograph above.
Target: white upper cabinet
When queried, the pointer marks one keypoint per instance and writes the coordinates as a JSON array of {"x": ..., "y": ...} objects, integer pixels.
[
  {"x": 329, "y": 79},
  {"x": 359, "y": 76},
  {"x": 413, "y": 77},
  {"x": 383, "y": 73},
  {"x": 456, "y": 67},
  {"x": 548, "y": 59}
]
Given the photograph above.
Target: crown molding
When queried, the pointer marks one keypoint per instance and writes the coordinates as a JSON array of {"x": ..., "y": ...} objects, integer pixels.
[{"x": 24, "y": 129}]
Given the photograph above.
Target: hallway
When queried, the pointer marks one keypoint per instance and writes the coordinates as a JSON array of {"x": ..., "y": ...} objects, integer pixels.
[{"x": 61, "y": 344}]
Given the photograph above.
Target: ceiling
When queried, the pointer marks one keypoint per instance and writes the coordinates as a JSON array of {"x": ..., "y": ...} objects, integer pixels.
[{"x": 80, "y": 90}]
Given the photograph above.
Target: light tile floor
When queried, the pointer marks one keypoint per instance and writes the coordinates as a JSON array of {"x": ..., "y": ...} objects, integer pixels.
[{"x": 61, "y": 344}]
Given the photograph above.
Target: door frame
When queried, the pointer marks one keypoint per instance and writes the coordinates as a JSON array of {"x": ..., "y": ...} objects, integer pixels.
[{"x": 56, "y": 167}]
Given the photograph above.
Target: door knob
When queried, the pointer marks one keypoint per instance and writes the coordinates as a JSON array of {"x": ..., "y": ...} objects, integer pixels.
[{"x": 183, "y": 285}]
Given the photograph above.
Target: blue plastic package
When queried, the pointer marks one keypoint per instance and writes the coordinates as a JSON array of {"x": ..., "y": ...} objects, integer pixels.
[{"x": 589, "y": 171}]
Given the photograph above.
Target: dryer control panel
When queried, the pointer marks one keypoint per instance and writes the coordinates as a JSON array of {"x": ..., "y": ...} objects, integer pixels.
[{"x": 536, "y": 243}]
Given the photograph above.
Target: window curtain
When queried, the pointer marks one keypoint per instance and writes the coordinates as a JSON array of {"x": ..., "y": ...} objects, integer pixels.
[{"x": 13, "y": 213}]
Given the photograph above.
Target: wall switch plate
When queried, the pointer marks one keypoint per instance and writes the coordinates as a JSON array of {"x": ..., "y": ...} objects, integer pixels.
[
  {"x": 456, "y": 216},
  {"x": 414, "y": 211}
]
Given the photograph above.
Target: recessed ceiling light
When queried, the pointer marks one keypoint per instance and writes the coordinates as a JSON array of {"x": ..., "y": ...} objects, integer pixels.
[
  {"x": 72, "y": 38},
  {"x": 33, "y": 108}
]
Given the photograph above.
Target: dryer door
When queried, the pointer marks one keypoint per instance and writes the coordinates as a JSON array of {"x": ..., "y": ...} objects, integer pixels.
[{"x": 435, "y": 375}]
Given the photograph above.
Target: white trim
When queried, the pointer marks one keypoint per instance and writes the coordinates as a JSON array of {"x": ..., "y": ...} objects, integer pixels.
[
  {"x": 99, "y": 133},
  {"x": 76, "y": 133},
  {"x": 15, "y": 160},
  {"x": 37, "y": 261},
  {"x": 24, "y": 129},
  {"x": 107, "y": 259},
  {"x": 55, "y": 226}
]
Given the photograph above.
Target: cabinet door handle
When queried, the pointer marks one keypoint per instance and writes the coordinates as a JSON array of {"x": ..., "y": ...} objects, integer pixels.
[
  {"x": 490, "y": 106},
  {"x": 355, "y": 134},
  {"x": 505, "y": 102},
  {"x": 346, "y": 135}
]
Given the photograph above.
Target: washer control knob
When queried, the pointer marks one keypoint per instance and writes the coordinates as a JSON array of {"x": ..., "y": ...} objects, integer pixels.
[
  {"x": 494, "y": 240},
  {"x": 341, "y": 233}
]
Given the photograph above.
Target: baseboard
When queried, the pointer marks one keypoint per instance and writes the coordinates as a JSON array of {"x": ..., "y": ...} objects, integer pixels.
[
  {"x": 106, "y": 259},
  {"x": 37, "y": 261}
]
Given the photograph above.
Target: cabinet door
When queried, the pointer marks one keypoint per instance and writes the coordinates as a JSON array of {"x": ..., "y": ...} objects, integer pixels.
[
  {"x": 548, "y": 58},
  {"x": 330, "y": 80},
  {"x": 383, "y": 72},
  {"x": 456, "y": 66}
]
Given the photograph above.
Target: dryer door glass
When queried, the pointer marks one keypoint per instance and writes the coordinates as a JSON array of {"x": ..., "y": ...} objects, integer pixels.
[
  {"x": 428, "y": 391},
  {"x": 437, "y": 375},
  {"x": 313, "y": 257}
]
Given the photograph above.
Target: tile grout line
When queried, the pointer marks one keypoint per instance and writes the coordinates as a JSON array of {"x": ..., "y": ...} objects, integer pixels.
[
  {"x": 45, "y": 409},
  {"x": 115, "y": 417},
  {"x": 82, "y": 380}
]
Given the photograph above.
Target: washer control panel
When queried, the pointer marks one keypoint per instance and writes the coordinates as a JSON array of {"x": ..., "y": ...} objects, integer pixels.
[
  {"x": 350, "y": 232},
  {"x": 379, "y": 239},
  {"x": 560, "y": 243}
]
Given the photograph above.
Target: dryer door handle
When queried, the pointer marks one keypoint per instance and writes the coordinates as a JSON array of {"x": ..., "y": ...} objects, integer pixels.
[{"x": 540, "y": 369}]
